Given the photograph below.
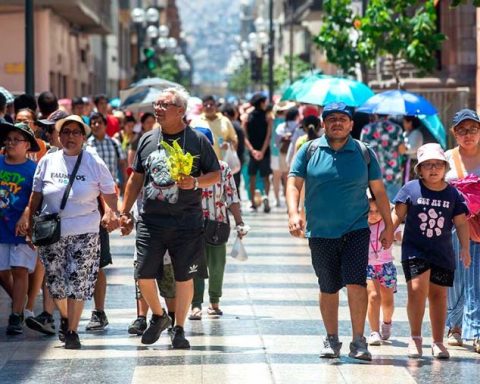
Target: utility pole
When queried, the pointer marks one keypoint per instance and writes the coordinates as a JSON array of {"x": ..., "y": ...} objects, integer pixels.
[
  {"x": 271, "y": 42},
  {"x": 290, "y": 64},
  {"x": 29, "y": 49}
]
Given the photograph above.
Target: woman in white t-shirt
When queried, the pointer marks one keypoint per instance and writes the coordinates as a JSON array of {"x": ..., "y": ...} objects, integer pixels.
[{"x": 72, "y": 264}]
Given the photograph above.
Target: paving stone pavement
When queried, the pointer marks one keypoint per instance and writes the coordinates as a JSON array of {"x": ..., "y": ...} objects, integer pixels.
[{"x": 270, "y": 332}]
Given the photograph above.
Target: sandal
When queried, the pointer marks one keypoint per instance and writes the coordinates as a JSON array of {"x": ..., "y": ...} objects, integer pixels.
[
  {"x": 214, "y": 312},
  {"x": 196, "y": 314},
  {"x": 439, "y": 351},
  {"x": 415, "y": 347}
]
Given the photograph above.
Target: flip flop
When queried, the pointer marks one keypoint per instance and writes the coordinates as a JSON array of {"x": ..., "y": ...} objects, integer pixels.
[
  {"x": 214, "y": 312},
  {"x": 196, "y": 314}
]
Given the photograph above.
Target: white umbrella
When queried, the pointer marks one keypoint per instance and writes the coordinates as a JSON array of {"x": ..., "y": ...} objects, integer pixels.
[
  {"x": 142, "y": 86},
  {"x": 141, "y": 101}
]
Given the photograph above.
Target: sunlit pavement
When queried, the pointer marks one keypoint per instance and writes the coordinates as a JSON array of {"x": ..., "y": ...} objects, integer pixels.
[{"x": 270, "y": 332}]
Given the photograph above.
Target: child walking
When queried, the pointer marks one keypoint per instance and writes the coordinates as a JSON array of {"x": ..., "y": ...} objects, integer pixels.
[
  {"x": 16, "y": 179},
  {"x": 381, "y": 278},
  {"x": 432, "y": 208}
]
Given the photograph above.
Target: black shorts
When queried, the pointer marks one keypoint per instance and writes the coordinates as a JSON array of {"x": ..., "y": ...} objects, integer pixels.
[
  {"x": 262, "y": 166},
  {"x": 342, "y": 261},
  {"x": 185, "y": 246},
  {"x": 415, "y": 266},
  {"x": 105, "y": 255}
]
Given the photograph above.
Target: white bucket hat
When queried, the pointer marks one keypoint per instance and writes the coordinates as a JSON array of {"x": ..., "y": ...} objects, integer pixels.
[
  {"x": 86, "y": 129},
  {"x": 430, "y": 151}
]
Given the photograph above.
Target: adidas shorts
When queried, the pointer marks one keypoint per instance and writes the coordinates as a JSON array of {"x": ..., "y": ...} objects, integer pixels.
[{"x": 185, "y": 246}]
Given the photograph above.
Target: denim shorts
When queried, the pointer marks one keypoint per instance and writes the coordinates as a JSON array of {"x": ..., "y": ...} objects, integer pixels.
[
  {"x": 342, "y": 261},
  {"x": 386, "y": 274}
]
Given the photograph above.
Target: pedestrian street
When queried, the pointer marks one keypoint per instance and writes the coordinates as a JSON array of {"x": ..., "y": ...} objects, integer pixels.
[{"x": 270, "y": 332}]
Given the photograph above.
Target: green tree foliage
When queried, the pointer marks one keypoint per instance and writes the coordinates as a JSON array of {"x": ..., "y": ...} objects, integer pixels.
[
  {"x": 281, "y": 72},
  {"x": 335, "y": 35},
  {"x": 240, "y": 82},
  {"x": 400, "y": 29},
  {"x": 167, "y": 68}
]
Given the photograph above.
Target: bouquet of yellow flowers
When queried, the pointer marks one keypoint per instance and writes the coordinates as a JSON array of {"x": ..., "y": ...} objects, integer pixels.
[{"x": 179, "y": 163}]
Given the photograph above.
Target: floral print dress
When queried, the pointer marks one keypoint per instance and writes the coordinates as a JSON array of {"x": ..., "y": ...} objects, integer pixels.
[
  {"x": 218, "y": 197},
  {"x": 385, "y": 137}
]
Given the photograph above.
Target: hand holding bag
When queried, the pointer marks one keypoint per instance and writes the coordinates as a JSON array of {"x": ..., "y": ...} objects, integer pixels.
[
  {"x": 46, "y": 228},
  {"x": 238, "y": 251}
]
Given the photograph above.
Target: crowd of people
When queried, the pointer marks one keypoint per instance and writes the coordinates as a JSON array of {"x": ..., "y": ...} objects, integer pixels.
[{"x": 176, "y": 174}]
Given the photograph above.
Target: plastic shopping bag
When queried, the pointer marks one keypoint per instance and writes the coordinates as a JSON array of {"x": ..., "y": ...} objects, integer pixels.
[
  {"x": 231, "y": 158},
  {"x": 238, "y": 251}
]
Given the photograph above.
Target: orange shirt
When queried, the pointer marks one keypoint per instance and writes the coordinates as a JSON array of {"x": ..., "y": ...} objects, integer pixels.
[{"x": 36, "y": 156}]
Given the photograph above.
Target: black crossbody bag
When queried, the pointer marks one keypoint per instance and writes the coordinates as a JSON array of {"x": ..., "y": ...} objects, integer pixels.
[
  {"x": 216, "y": 232},
  {"x": 46, "y": 228}
]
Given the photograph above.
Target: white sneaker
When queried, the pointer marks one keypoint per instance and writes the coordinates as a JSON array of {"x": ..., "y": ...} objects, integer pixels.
[
  {"x": 386, "y": 331},
  {"x": 375, "y": 339}
]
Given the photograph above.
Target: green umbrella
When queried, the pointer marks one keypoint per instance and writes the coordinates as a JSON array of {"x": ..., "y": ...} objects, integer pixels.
[
  {"x": 296, "y": 87},
  {"x": 324, "y": 89}
]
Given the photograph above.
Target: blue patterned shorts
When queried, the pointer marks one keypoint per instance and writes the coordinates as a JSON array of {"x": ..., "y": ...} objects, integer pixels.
[{"x": 386, "y": 274}]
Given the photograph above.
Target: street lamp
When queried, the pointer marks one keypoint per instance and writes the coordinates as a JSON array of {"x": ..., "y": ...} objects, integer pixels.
[{"x": 147, "y": 28}]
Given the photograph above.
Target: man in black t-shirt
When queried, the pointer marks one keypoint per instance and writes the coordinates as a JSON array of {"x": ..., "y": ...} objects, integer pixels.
[
  {"x": 258, "y": 129},
  {"x": 171, "y": 218}
]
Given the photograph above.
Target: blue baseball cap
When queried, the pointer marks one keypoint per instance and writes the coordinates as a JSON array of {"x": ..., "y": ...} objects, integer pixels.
[
  {"x": 464, "y": 114},
  {"x": 335, "y": 107}
]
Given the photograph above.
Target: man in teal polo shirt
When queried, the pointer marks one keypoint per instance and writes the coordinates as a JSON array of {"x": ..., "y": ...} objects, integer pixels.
[{"x": 336, "y": 176}]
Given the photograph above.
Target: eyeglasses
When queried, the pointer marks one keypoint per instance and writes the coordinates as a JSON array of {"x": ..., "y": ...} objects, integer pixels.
[
  {"x": 209, "y": 105},
  {"x": 73, "y": 133},
  {"x": 467, "y": 131},
  {"x": 97, "y": 122},
  {"x": 13, "y": 141},
  {"x": 163, "y": 106},
  {"x": 430, "y": 166}
]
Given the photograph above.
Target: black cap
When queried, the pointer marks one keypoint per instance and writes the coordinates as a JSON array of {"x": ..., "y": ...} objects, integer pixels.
[
  {"x": 24, "y": 129},
  {"x": 59, "y": 114}
]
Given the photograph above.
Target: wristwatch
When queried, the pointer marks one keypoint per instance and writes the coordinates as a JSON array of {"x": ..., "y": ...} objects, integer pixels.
[{"x": 195, "y": 183}]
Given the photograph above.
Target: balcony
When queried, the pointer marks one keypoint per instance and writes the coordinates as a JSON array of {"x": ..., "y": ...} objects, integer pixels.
[{"x": 90, "y": 16}]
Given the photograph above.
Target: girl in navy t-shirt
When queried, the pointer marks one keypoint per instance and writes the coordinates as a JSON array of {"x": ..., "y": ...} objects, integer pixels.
[{"x": 432, "y": 208}]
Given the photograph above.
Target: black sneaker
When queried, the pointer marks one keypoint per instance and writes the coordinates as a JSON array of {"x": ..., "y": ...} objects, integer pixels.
[
  {"x": 43, "y": 323},
  {"x": 14, "y": 325},
  {"x": 155, "y": 328},
  {"x": 72, "y": 341},
  {"x": 98, "y": 321},
  {"x": 138, "y": 326},
  {"x": 178, "y": 339},
  {"x": 62, "y": 331}
]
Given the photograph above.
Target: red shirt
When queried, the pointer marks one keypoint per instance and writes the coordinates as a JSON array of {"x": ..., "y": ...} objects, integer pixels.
[{"x": 113, "y": 126}]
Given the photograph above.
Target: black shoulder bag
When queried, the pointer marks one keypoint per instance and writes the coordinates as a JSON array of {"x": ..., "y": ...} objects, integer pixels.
[
  {"x": 46, "y": 228},
  {"x": 216, "y": 232}
]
